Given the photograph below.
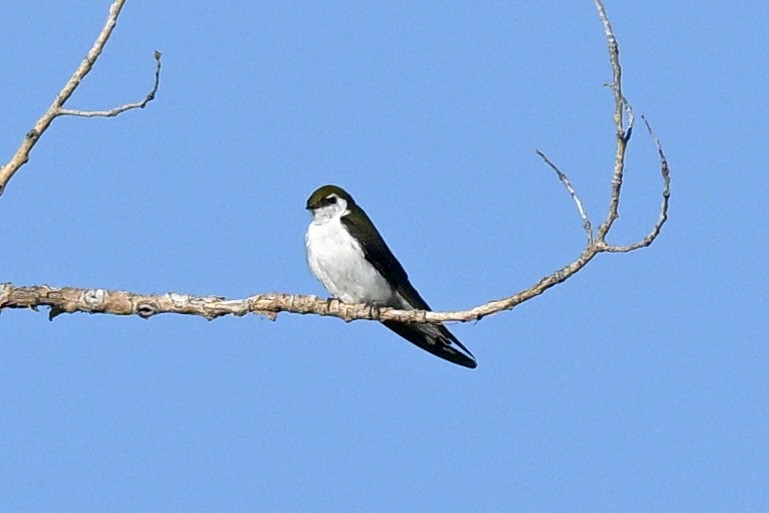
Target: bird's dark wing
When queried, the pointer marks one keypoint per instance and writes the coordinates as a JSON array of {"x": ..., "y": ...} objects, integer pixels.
[
  {"x": 435, "y": 339},
  {"x": 379, "y": 255}
]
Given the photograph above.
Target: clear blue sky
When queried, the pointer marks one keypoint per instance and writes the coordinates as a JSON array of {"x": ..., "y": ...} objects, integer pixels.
[{"x": 640, "y": 385}]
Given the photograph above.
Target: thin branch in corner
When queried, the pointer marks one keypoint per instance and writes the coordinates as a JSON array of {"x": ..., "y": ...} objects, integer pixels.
[
  {"x": 119, "y": 110},
  {"x": 56, "y": 109}
]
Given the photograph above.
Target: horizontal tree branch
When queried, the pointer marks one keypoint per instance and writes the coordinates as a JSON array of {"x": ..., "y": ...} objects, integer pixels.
[{"x": 118, "y": 302}]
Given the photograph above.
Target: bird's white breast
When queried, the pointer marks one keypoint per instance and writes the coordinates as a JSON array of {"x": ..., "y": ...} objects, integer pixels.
[{"x": 337, "y": 260}]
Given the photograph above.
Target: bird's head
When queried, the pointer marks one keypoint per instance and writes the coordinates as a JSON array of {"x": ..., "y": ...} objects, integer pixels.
[{"x": 329, "y": 202}]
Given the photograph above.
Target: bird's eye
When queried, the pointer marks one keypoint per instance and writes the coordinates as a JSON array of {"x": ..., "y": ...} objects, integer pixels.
[{"x": 331, "y": 200}]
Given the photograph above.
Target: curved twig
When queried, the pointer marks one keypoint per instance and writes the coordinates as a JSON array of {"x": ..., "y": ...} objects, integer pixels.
[{"x": 111, "y": 113}]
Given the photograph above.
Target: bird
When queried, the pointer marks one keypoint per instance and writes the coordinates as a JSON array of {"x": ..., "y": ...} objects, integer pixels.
[{"x": 350, "y": 258}]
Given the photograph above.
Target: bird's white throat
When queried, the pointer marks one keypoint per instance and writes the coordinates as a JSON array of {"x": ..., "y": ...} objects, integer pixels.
[{"x": 336, "y": 258}]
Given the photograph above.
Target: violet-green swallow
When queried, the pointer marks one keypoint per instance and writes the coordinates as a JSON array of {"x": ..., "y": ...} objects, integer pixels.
[{"x": 349, "y": 257}]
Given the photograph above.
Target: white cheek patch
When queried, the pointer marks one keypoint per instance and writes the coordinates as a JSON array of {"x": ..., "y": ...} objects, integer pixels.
[{"x": 325, "y": 214}]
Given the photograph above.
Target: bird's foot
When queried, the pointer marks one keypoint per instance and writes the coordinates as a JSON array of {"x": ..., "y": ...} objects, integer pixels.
[{"x": 374, "y": 309}]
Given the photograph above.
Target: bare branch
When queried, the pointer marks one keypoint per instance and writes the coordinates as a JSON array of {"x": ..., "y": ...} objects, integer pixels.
[
  {"x": 663, "y": 216},
  {"x": 623, "y": 110},
  {"x": 119, "y": 110},
  {"x": 56, "y": 109},
  {"x": 621, "y": 107},
  {"x": 61, "y": 300},
  {"x": 586, "y": 225},
  {"x": 118, "y": 302}
]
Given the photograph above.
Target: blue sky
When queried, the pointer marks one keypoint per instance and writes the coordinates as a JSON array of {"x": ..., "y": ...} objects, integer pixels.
[{"x": 640, "y": 385}]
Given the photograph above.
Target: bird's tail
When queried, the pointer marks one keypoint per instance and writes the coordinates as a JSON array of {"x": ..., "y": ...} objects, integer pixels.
[{"x": 436, "y": 339}]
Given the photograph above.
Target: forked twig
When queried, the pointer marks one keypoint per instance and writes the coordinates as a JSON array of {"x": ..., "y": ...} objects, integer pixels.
[
  {"x": 57, "y": 109},
  {"x": 123, "y": 108}
]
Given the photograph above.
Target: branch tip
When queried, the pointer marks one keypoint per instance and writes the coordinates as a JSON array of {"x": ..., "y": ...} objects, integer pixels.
[{"x": 586, "y": 224}]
